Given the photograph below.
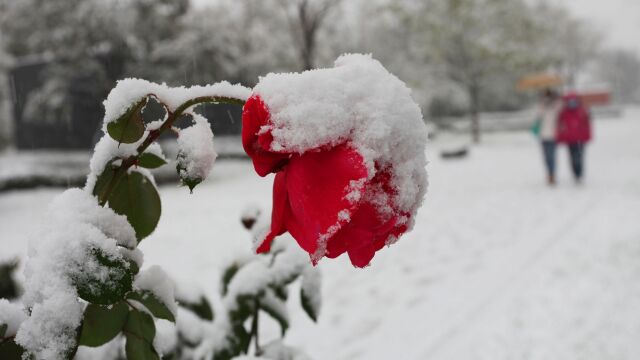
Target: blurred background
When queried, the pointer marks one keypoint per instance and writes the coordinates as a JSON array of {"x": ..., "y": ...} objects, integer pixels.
[{"x": 499, "y": 266}]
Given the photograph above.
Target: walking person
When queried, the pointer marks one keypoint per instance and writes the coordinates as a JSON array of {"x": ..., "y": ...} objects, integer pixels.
[
  {"x": 574, "y": 129},
  {"x": 545, "y": 127}
]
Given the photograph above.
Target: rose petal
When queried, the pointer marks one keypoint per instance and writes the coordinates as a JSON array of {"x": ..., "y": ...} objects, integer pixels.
[
  {"x": 255, "y": 115},
  {"x": 317, "y": 183},
  {"x": 364, "y": 235},
  {"x": 278, "y": 213}
]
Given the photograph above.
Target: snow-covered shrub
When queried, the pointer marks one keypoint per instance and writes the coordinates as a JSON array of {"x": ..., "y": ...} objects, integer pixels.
[
  {"x": 250, "y": 289},
  {"x": 347, "y": 144},
  {"x": 83, "y": 282}
]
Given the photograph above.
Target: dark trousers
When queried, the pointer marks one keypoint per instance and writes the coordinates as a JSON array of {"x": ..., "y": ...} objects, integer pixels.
[
  {"x": 549, "y": 153},
  {"x": 576, "y": 154}
]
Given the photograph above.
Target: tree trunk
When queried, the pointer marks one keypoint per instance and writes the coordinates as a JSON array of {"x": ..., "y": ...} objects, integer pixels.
[{"x": 474, "y": 98}]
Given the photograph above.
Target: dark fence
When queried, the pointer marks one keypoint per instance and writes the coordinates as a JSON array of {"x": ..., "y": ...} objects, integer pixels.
[{"x": 81, "y": 129}]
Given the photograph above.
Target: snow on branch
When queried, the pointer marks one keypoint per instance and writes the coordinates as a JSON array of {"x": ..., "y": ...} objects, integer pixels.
[{"x": 130, "y": 91}]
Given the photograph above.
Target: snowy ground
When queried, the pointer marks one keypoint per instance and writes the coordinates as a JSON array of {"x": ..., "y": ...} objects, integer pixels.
[{"x": 499, "y": 266}]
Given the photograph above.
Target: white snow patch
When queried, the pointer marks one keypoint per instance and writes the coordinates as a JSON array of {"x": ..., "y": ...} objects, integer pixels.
[
  {"x": 188, "y": 291},
  {"x": 106, "y": 150},
  {"x": 190, "y": 326},
  {"x": 59, "y": 252},
  {"x": 11, "y": 315},
  {"x": 196, "y": 150},
  {"x": 166, "y": 337}
]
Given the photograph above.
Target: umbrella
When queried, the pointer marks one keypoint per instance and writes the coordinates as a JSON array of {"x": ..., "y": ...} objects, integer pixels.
[{"x": 539, "y": 81}]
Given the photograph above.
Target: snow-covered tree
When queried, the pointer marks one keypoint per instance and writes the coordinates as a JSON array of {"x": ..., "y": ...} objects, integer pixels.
[
  {"x": 6, "y": 123},
  {"x": 84, "y": 41},
  {"x": 620, "y": 69},
  {"x": 474, "y": 41},
  {"x": 568, "y": 43},
  {"x": 305, "y": 19}
]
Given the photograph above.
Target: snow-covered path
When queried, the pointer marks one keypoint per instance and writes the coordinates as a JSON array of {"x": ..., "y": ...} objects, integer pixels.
[{"x": 499, "y": 266}]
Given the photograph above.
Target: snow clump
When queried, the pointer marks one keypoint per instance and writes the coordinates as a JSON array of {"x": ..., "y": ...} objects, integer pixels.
[{"x": 60, "y": 252}]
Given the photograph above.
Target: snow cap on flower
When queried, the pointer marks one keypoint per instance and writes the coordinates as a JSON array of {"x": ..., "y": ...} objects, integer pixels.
[{"x": 347, "y": 146}]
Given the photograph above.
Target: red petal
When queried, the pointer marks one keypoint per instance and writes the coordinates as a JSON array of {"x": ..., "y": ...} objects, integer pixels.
[
  {"x": 364, "y": 235},
  {"x": 255, "y": 115},
  {"x": 278, "y": 213},
  {"x": 317, "y": 183},
  {"x": 369, "y": 229}
]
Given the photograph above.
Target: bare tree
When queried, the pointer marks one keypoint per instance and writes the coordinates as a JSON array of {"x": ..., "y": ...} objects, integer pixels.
[
  {"x": 473, "y": 40},
  {"x": 305, "y": 18},
  {"x": 570, "y": 43},
  {"x": 621, "y": 70}
]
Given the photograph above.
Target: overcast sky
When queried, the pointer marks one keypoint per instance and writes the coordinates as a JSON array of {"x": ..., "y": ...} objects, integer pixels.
[{"x": 617, "y": 20}]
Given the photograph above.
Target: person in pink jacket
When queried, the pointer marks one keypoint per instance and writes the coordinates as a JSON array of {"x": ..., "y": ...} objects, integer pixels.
[{"x": 574, "y": 129}]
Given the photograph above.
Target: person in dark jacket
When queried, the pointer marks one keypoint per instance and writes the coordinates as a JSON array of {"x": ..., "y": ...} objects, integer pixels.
[{"x": 574, "y": 129}]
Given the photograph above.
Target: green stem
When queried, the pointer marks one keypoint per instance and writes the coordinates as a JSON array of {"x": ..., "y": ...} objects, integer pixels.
[
  {"x": 254, "y": 328},
  {"x": 172, "y": 117}
]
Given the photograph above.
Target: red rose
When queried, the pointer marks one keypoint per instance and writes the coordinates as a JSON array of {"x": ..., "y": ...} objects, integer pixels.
[{"x": 325, "y": 197}]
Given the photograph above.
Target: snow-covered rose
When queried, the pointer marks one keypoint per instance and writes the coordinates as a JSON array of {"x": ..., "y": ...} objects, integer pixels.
[{"x": 347, "y": 147}]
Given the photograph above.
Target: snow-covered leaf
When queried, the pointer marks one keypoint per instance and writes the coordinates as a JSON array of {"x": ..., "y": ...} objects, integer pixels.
[
  {"x": 129, "y": 127},
  {"x": 103, "y": 179},
  {"x": 100, "y": 324},
  {"x": 228, "y": 275},
  {"x": 152, "y": 303},
  {"x": 276, "y": 308},
  {"x": 196, "y": 153},
  {"x": 276, "y": 350},
  {"x": 109, "y": 284},
  {"x": 202, "y": 308},
  {"x": 237, "y": 343},
  {"x": 310, "y": 297},
  {"x": 136, "y": 197},
  {"x": 281, "y": 292},
  {"x": 155, "y": 282}
]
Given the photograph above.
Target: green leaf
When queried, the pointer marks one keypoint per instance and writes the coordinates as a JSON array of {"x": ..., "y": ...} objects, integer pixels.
[
  {"x": 9, "y": 350},
  {"x": 3, "y": 330},
  {"x": 150, "y": 161},
  {"x": 137, "y": 198},
  {"x": 100, "y": 324},
  {"x": 308, "y": 305},
  {"x": 138, "y": 349},
  {"x": 140, "y": 331},
  {"x": 153, "y": 304},
  {"x": 104, "y": 179},
  {"x": 133, "y": 266},
  {"x": 237, "y": 343},
  {"x": 281, "y": 292},
  {"x": 202, "y": 309},
  {"x": 310, "y": 292},
  {"x": 228, "y": 275},
  {"x": 95, "y": 288},
  {"x": 245, "y": 305},
  {"x": 129, "y": 127},
  {"x": 140, "y": 324}
]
